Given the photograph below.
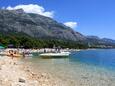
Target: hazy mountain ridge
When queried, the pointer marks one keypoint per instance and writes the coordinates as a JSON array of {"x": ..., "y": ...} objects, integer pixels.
[{"x": 95, "y": 40}]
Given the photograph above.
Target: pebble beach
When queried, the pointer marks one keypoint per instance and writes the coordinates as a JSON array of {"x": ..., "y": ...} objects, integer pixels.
[
  {"x": 14, "y": 73},
  {"x": 77, "y": 70}
]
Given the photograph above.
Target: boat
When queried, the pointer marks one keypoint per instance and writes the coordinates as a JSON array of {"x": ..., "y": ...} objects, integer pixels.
[{"x": 55, "y": 54}]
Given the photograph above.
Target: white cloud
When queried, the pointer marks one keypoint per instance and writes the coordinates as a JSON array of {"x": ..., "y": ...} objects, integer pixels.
[
  {"x": 33, "y": 8},
  {"x": 71, "y": 24}
]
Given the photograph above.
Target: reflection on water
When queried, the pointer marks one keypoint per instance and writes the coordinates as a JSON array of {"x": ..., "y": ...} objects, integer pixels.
[
  {"x": 54, "y": 57},
  {"x": 84, "y": 68}
]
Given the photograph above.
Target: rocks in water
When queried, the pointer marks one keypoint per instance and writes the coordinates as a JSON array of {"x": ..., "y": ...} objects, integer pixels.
[
  {"x": 21, "y": 75},
  {"x": 85, "y": 77},
  {"x": 22, "y": 80}
]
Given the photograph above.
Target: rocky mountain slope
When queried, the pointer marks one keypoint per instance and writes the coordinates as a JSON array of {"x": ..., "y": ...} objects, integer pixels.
[
  {"x": 41, "y": 27},
  {"x": 35, "y": 25}
]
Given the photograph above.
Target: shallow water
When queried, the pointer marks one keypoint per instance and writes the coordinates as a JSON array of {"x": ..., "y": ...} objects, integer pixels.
[{"x": 84, "y": 68}]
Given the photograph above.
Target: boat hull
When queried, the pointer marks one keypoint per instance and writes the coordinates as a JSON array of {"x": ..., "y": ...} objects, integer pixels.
[{"x": 55, "y": 55}]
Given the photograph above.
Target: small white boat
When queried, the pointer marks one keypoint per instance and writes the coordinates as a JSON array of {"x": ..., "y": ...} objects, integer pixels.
[
  {"x": 28, "y": 55},
  {"x": 62, "y": 54}
]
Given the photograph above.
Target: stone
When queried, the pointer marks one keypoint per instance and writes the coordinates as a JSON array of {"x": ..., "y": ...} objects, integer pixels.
[{"x": 22, "y": 80}]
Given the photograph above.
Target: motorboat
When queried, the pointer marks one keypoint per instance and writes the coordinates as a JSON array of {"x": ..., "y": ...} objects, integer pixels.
[{"x": 55, "y": 54}]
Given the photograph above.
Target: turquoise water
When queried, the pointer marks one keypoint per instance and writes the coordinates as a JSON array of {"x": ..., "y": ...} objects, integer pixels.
[
  {"x": 84, "y": 68},
  {"x": 100, "y": 58}
]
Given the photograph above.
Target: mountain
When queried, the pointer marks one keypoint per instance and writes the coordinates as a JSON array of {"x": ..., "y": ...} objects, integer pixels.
[
  {"x": 34, "y": 25},
  {"x": 108, "y": 40},
  {"x": 28, "y": 29},
  {"x": 96, "y": 41}
]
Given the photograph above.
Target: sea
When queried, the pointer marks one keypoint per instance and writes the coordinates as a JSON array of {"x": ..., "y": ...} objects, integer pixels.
[{"x": 94, "y": 67}]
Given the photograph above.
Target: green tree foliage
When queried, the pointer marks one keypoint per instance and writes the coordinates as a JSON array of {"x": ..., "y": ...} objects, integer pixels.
[{"x": 29, "y": 42}]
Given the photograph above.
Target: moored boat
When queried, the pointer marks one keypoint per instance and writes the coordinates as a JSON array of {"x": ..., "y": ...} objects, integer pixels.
[{"x": 56, "y": 54}]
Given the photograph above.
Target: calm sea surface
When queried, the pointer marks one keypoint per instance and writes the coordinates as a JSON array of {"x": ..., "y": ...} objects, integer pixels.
[{"x": 84, "y": 68}]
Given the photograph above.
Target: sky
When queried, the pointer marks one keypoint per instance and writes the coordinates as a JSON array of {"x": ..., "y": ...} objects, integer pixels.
[{"x": 89, "y": 17}]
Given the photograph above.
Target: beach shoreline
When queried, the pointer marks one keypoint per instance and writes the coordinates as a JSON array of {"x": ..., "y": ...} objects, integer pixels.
[{"x": 13, "y": 72}]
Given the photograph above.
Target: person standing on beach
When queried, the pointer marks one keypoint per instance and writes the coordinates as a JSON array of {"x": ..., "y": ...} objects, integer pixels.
[
  {"x": 23, "y": 53},
  {"x": 11, "y": 53}
]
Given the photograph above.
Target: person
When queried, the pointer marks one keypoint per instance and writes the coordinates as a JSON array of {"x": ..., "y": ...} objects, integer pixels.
[
  {"x": 44, "y": 50},
  {"x": 11, "y": 53},
  {"x": 23, "y": 53}
]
